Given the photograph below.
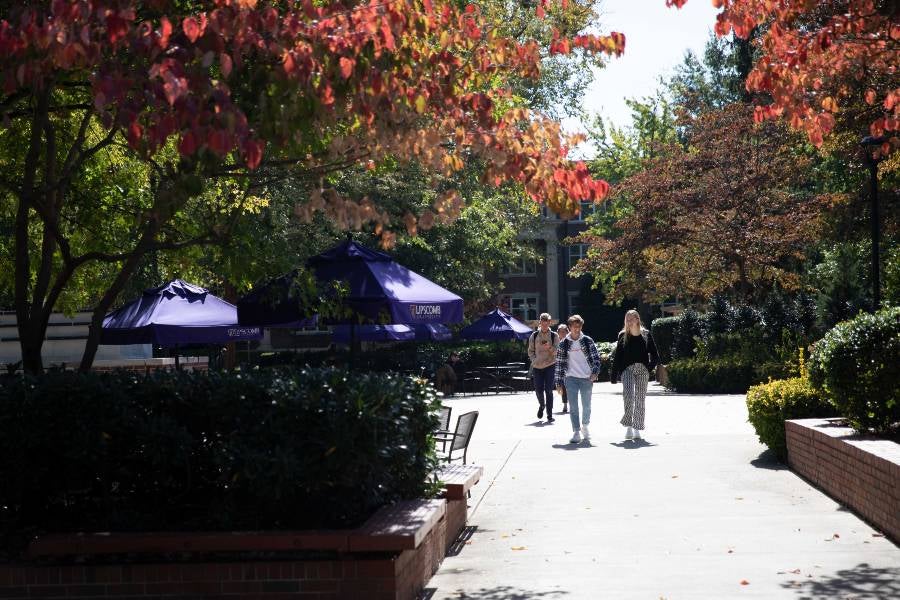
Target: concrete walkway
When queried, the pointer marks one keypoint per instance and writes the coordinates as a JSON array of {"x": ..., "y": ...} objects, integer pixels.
[{"x": 698, "y": 510}]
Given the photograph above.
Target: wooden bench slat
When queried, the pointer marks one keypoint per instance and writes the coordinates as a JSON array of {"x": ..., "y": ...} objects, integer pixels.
[
  {"x": 401, "y": 526},
  {"x": 458, "y": 479}
]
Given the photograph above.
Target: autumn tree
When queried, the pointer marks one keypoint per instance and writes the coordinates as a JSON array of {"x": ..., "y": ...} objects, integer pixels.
[
  {"x": 816, "y": 56},
  {"x": 728, "y": 213},
  {"x": 232, "y": 90}
]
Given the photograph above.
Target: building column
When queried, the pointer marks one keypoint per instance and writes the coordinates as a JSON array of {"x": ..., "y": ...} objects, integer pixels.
[{"x": 552, "y": 283}]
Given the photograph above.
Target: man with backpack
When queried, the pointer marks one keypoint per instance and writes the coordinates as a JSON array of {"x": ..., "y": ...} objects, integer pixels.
[{"x": 542, "y": 354}]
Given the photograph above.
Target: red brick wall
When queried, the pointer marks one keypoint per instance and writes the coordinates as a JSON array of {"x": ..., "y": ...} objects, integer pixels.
[
  {"x": 863, "y": 474},
  {"x": 350, "y": 577}
]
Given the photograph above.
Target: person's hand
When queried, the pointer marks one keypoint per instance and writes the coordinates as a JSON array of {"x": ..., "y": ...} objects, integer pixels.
[
  {"x": 559, "y": 390},
  {"x": 593, "y": 378}
]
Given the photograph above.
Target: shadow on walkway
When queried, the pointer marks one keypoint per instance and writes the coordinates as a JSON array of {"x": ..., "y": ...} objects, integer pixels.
[
  {"x": 862, "y": 582},
  {"x": 464, "y": 536},
  {"x": 768, "y": 460},
  {"x": 503, "y": 592},
  {"x": 583, "y": 444},
  {"x": 632, "y": 444}
]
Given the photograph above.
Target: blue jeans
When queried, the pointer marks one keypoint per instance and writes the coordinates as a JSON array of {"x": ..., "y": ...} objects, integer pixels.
[
  {"x": 543, "y": 387},
  {"x": 574, "y": 386}
]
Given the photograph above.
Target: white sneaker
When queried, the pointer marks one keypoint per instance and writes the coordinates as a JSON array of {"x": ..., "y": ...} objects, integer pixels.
[
  {"x": 585, "y": 433},
  {"x": 629, "y": 433},
  {"x": 637, "y": 434},
  {"x": 576, "y": 437}
]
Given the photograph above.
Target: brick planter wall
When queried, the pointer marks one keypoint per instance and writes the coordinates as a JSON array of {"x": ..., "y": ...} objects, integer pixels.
[
  {"x": 860, "y": 472},
  {"x": 343, "y": 574}
]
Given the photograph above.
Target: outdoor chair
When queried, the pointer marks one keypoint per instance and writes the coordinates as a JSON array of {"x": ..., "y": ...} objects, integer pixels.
[
  {"x": 444, "y": 426},
  {"x": 459, "y": 439}
]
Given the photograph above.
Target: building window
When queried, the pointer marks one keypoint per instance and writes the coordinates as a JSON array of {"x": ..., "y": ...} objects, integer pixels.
[
  {"x": 576, "y": 253},
  {"x": 574, "y": 300},
  {"x": 523, "y": 266},
  {"x": 587, "y": 209},
  {"x": 524, "y": 307}
]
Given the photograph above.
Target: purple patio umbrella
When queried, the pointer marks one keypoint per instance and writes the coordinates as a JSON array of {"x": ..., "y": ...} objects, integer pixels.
[
  {"x": 380, "y": 290},
  {"x": 496, "y": 326},
  {"x": 174, "y": 314}
]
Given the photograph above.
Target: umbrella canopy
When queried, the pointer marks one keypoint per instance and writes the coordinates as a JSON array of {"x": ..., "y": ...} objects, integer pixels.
[
  {"x": 173, "y": 314},
  {"x": 274, "y": 305},
  {"x": 496, "y": 326},
  {"x": 379, "y": 290}
]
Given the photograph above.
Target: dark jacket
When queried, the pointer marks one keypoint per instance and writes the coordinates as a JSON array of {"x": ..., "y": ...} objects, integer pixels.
[{"x": 649, "y": 359}]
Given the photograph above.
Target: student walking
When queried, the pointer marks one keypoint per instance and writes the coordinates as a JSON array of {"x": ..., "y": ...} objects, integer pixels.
[
  {"x": 542, "y": 354},
  {"x": 635, "y": 357},
  {"x": 561, "y": 332},
  {"x": 577, "y": 367}
]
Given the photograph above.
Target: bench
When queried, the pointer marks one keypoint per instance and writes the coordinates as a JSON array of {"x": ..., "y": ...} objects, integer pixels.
[
  {"x": 458, "y": 479},
  {"x": 400, "y": 526}
]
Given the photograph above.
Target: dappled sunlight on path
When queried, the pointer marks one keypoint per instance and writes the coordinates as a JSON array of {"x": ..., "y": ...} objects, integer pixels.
[{"x": 697, "y": 509}]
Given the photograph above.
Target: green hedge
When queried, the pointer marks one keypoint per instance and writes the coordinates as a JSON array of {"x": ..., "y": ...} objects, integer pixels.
[
  {"x": 307, "y": 448},
  {"x": 663, "y": 331},
  {"x": 720, "y": 376},
  {"x": 769, "y": 405},
  {"x": 857, "y": 364}
]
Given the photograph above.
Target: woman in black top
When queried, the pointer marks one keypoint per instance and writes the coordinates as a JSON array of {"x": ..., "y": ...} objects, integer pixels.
[{"x": 634, "y": 358}]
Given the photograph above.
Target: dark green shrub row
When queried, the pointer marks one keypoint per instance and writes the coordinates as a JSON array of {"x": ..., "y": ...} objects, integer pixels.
[
  {"x": 769, "y": 405},
  {"x": 857, "y": 364},
  {"x": 304, "y": 448},
  {"x": 720, "y": 376}
]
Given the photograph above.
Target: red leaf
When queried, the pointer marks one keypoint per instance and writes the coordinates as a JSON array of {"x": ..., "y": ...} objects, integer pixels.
[
  {"x": 253, "y": 152},
  {"x": 188, "y": 144},
  {"x": 288, "y": 63},
  {"x": 135, "y": 131},
  {"x": 326, "y": 94},
  {"x": 388, "y": 38},
  {"x": 191, "y": 28},
  {"x": 165, "y": 32},
  {"x": 226, "y": 64},
  {"x": 347, "y": 65}
]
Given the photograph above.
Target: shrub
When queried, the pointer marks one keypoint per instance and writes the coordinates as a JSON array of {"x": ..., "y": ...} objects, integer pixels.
[
  {"x": 769, "y": 405},
  {"x": 720, "y": 376},
  {"x": 697, "y": 376},
  {"x": 856, "y": 364},
  {"x": 663, "y": 331},
  {"x": 720, "y": 318},
  {"x": 274, "y": 449},
  {"x": 688, "y": 330}
]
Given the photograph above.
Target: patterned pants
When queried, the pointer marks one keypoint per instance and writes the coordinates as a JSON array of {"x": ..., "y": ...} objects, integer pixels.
[{"x": 634, "y": 392}]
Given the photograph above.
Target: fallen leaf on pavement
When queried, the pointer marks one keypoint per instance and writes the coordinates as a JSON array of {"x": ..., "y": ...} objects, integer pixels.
[{"x": 518, "y": 548}]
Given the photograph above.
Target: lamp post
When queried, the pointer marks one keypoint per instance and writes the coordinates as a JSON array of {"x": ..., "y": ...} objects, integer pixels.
[{"x": 869, "y": 143}]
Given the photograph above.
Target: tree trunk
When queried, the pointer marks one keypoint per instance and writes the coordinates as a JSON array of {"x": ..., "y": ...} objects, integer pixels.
[
  {"x": 102, "y": 307},
  {"x": 29, "y": 340}
]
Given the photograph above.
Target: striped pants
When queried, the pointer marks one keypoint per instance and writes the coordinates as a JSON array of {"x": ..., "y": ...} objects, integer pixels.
[{"x": 634, "y": 392}]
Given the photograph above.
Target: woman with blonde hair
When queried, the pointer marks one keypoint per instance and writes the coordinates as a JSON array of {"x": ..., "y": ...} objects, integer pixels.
[{"x": 635, "y": 357}]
